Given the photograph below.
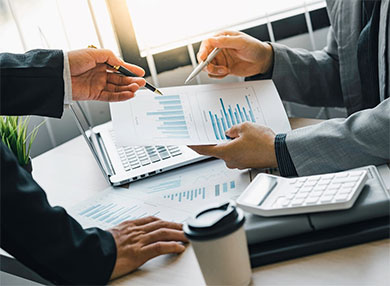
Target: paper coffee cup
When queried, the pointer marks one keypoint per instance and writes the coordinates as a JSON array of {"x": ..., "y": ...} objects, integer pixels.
[{"x": 219, "y": 242}]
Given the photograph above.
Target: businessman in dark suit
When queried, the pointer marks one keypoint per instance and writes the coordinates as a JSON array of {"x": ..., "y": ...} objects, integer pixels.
[{"x": 46, "y": 238}]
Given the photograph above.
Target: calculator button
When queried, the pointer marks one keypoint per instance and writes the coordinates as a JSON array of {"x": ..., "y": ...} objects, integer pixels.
[
  {"x": 345, "y": 190},
  {"x": 339, "y": 181},
  {"x": 342, "y": 175},
  {"x": 285, "y": 202},
  {"x": 341, "y": 197},
  {"x": 297, "y": 202},
  {"x": 351, "y": 180},
  {"x": 316, "y": 193},
  {"x": 313, "y": 179},
  {"x": 326, "y": 199},
  {"x": 301, "y": 195},
  {"x": 329, "y": 176},
  {"x": 324, "y": 182},
  {"x": 334, "y": 186},
  {"x": 310, "y": 184},
  {"x": 305, "y": 189},
  {"x": 290, "y": 196},
  {"x": 331, "y": 192},
  {"x": 278, "y": 202},
  {"x": 293, "y": 181},
  {"x": 311, "y": 200},
  {"x": 319, "y": 188},
  {"x": 302, "y": 180},
  {"x": 355, "y": 174},
  {"x": 348, "y": 185}
]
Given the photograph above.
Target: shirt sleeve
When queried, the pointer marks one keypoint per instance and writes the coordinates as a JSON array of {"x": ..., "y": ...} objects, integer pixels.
[{"x": 67, "y": 81}]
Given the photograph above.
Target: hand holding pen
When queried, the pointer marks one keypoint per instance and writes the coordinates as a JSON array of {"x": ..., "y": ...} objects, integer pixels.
[
  {"x": 241, "y": 55},
  {"x": 126, "y": 72},
  {"x": 91, "y": 80}
]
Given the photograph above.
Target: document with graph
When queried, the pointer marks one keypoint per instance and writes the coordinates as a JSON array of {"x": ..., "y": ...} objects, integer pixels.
[
  {"x": 197, "y": 115},
  {"x": 172, "y": 196}
]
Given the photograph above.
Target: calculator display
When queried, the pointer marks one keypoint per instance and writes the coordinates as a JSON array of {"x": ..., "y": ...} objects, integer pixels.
[{"x": 262, "y": 188}]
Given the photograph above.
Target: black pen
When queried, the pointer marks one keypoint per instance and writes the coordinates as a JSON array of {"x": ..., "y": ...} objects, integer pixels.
[{"x": 126, "y": 72}]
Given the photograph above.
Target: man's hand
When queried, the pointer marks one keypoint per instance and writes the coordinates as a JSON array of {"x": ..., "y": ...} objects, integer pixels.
[
  {"x": 252, "y": 147},
  {"x": 138, "y": 241},
  {"x": 92, "y": 79},
  {"x": 241, "y": 55}
]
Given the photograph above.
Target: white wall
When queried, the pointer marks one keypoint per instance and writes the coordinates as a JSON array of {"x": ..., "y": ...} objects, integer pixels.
[{"x": 65, "y": 128}]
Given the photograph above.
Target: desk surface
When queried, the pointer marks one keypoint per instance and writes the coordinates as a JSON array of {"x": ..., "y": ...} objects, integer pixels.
[{"x": 65, "y": 185}]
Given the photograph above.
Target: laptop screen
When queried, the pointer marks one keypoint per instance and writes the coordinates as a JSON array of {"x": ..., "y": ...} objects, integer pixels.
[{"x": 90, "y": 137}]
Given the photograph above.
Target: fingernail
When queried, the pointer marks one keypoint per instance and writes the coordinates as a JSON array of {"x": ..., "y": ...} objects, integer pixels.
[{"x": 221, "y": 71}]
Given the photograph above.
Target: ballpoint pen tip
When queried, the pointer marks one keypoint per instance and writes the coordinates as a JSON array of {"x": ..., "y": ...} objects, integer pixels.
[
  {"x": 187, "y": 80},
  {"x": 158, "y": 92}
]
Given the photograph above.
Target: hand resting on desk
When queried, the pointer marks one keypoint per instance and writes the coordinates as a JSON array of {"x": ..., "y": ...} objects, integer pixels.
[
  {"x": 252, "y": 147},
  {"x": 138, "y": 241}
]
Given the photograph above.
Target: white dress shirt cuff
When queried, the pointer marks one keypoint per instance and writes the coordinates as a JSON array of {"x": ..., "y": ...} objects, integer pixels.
[{"x": 67, "y": 81}]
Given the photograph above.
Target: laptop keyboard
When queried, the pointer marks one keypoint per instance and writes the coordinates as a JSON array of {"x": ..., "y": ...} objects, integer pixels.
[{"x": 134, "y": 157}]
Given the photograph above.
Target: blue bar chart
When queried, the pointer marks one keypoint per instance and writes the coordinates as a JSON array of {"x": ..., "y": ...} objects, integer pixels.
[
  {"x": 164, "y": 186},
  {"x": 229, "y": 116},
  {"x": 112, "y": 213},
  {"x": 169, "y": 117},
  {"x": 114, "y": 206},
  {"x": 201, "y": 193},
  {"x": 196, "y": 115},
  {"x": 173, "y": 196}
]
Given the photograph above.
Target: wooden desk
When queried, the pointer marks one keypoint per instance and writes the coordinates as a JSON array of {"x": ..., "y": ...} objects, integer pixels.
[{"x": 69, "y": 174}]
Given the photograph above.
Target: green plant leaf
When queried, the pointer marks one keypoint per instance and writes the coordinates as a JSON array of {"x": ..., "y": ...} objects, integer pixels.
[{"x": 13, "y": 132}]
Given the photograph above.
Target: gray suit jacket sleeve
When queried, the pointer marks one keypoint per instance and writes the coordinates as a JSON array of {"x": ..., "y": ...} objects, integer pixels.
[
  {"x": 339, "y": 144},
  {"x": 306, "y": 77}
]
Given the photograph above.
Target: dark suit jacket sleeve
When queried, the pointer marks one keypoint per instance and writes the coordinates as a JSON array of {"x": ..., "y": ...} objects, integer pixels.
[
  {"x": 32, "y": 83},
  {"x": 44, "y": 238}
]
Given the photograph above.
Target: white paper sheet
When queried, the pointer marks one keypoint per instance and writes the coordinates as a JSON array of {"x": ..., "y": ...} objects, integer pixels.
[
  {"x": 196, "y": 115},
  {"x": 172, "y": 196}
]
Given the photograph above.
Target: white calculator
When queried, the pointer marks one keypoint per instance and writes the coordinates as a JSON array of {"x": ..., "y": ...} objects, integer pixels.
[{"x": 269, "y": 195}]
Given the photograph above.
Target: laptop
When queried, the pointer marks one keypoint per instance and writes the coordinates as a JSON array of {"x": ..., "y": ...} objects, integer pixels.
[{"x": 124, "y": 164}]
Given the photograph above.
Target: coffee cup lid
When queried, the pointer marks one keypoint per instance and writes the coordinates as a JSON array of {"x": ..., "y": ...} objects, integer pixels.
[{"x": 214, "y": 221}]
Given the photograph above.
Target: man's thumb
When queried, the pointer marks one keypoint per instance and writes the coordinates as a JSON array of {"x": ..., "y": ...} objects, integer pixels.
[{"x": 234, "y": 131}]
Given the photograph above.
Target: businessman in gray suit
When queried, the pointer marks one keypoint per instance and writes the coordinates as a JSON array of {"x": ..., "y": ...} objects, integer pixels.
[{"x": 352, "y": 72}]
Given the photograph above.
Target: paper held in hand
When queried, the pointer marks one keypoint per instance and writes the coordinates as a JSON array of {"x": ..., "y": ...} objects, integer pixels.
[{"x": 197, "y": 115}]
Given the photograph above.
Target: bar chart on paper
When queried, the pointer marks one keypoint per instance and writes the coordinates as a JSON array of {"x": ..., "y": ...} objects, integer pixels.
[
  {"x": 192, "y": 187},
  {"x": 235, "y": 107},
  {"x": 196, "y": 115},
  {"x": 200, "y": 194},
  {"x": 112, "y": 207},
  {"x": 169, "y": 118},
  {"x": 173, "y": 196}
]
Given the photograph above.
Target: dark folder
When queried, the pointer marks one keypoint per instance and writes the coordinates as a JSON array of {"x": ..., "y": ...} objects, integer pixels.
[{"x": 319, "y": 241}]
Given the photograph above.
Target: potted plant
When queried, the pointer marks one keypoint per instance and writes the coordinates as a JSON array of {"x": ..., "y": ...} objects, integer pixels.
[{"x": 13, "y": 132}]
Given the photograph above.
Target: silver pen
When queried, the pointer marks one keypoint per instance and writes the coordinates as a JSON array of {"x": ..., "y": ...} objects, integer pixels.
[{"x": 201, "y": 66}]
